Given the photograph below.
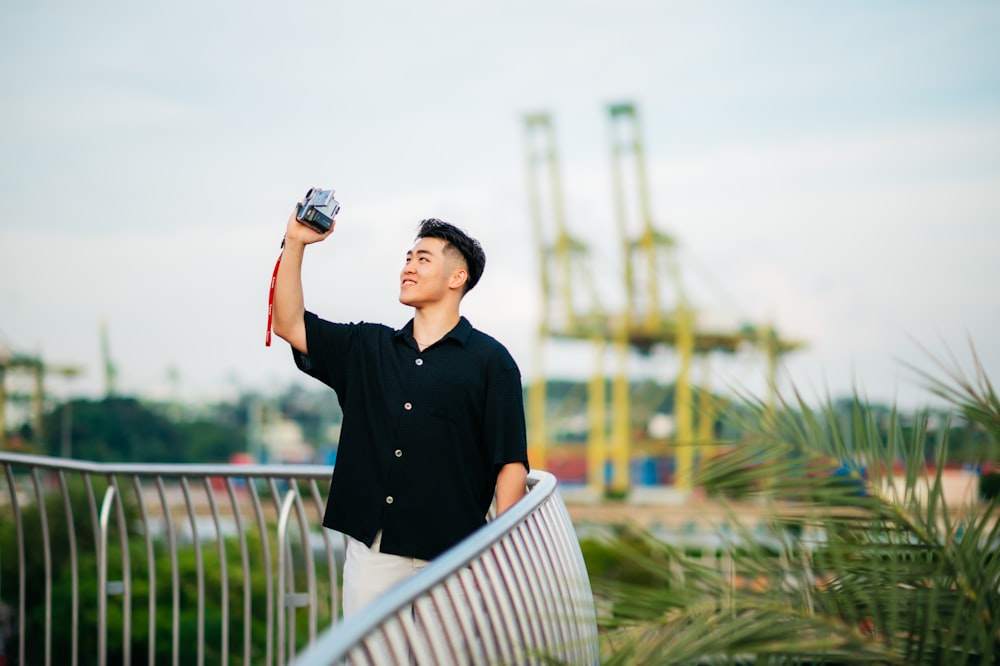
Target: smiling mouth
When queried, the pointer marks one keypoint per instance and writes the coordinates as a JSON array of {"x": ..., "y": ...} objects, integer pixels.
[{"x": 407, "y": 282}]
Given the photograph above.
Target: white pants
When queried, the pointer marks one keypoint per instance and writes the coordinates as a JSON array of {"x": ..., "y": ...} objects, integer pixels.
[{"x": 368, "y": 573}]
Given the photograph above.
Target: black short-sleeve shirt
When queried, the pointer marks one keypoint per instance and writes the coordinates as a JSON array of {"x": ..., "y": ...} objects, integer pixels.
[{"x": 424, "y": 432}]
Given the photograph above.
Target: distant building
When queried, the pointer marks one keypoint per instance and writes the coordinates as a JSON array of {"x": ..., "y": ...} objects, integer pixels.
[{"x": 283, "y": 442}]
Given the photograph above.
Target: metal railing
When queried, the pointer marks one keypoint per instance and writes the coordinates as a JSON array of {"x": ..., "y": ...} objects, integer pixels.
[
  {"x": 515, "y": 592},
  {"x": 226, "y": 564},
  {"x": 193, "y": 562}
]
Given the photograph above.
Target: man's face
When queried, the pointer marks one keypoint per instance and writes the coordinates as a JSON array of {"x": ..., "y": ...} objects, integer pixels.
[{"x": 428, "y": 273}]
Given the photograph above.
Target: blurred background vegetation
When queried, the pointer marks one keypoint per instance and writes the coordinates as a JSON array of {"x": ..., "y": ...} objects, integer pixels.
[{"x": 867, "y": 566}]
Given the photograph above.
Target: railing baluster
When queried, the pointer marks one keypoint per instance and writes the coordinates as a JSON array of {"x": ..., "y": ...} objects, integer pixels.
[
  {"x": 74, "y": 567},
  {"x": 175, "y": 582},
  {"x": 429, "y": 621},
  {"x": 102, "y": 576},
  {"x": 484, "y": 630},
  {"x": 581, "y": 598},
  {"x": 126, "y": 567},
  {"x": 21, "y": 566},
  {"x": 490, "y": 584},
  {"x": 310, "y": 565},
  {"x": 269, "y": 610},
  {"x": 331, "y": 562},
  {"x": 140, "y": 497},
  {"x": 223, "y": 572},
  {"x": 245, "y": 563},
  {"x": 526, "y": 619},
  {"x": 542, "y": 605},
  {"x": 547, "y": 578},
  {"x": 199, "y": 568},
  {"x": 43, "y": 519},
  {"x": 283, "y": 553},
  {"x": 548, "y": 544}
]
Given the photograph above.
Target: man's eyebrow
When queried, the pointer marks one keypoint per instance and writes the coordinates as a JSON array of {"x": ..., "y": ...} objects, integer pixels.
[{"x": 410, "y": 253}]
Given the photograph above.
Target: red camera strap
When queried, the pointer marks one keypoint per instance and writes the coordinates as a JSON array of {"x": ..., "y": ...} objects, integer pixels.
[{"x": 270, "y": 300}]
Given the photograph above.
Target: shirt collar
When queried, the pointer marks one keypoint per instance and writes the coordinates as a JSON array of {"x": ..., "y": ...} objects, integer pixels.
[{"x": 460, "y": 333}]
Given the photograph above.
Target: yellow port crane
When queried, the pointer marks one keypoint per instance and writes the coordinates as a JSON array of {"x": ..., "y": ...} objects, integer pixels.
[
  {"x": 570, "y": 306},
  {"x": 651, "y": 267},
  {"x": 656, "y": 311},
  {"x": 12, "y": 364}
]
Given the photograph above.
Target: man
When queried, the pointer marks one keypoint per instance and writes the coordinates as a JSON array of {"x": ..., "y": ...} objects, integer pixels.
[{"x": 433, "y": 424}]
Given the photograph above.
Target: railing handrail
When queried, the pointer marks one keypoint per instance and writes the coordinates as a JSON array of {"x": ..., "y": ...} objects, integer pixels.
[{"x": 311, "y": 471}]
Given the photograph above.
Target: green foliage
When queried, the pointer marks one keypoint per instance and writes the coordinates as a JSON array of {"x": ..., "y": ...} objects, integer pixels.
[
  {"x": 606, "y": 564},
  {"x": 126, "y": 430},
  {"x": 861, "y": 560},
  {"x": 58, "y": 521}
]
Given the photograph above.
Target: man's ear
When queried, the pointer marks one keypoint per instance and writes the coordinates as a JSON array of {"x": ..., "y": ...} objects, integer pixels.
[{"x": 458, "y": 278}]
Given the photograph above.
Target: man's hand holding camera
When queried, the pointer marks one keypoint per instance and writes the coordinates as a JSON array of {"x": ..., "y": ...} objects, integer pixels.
[
  {"x": 314, "y": 217},
  {"x": 298, "y": 232}
]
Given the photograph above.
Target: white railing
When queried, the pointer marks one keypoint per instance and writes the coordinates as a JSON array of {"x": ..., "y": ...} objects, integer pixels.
[{"x": 264, "y": 581}]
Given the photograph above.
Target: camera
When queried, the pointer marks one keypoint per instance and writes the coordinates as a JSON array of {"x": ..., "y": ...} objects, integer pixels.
[{"x": 318, "y": 209}]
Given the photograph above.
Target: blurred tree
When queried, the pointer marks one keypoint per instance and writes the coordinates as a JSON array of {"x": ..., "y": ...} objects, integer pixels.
[{"x": 125, "y": 430}]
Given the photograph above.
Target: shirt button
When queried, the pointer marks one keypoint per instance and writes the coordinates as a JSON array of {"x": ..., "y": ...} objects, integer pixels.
[
  {"x": 419, "y": 361},
  {"x": 388, "y": 500},
  {"x": 399, "y": 453},
  {"x": 407, "y": 406}
]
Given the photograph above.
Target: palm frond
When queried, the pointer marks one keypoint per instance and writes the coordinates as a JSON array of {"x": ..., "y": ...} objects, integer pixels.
[{"x": 861, "y": 560}]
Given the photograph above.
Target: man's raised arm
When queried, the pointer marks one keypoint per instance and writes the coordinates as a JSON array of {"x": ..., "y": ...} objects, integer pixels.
[{"x": 289, "y": 303}]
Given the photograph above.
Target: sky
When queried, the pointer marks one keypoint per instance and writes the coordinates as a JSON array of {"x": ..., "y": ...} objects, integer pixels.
[{"x": 829, "y": 169}]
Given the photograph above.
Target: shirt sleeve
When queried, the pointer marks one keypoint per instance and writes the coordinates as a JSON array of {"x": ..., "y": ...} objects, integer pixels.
[
  {"x": 327, "y": 343},
  {"x": 505, "y": 422}
]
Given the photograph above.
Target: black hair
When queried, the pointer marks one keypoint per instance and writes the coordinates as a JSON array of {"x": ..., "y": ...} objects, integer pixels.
[{"x": 453, "y": 237}]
